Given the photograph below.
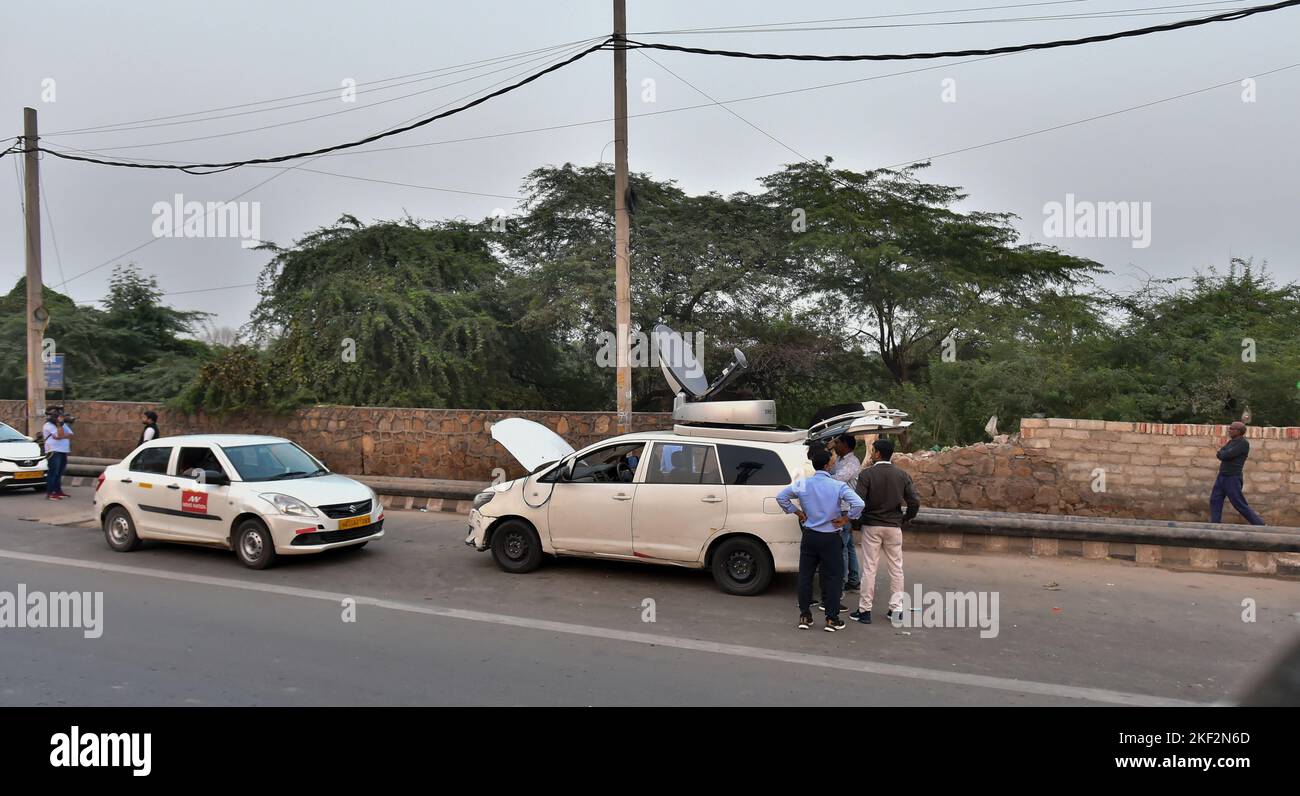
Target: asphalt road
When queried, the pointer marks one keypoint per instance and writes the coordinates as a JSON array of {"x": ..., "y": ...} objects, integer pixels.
[{"x": 438, "y": 624}]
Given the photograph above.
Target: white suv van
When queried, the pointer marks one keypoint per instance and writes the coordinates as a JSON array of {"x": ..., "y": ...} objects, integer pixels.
[{"x": 702, "y": 495}]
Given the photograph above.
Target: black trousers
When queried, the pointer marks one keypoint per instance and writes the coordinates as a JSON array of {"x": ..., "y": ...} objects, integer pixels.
[{"x": 824, "y": 551}]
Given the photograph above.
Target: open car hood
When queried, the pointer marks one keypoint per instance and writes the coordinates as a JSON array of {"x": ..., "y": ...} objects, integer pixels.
[{"x": 532, "y": 444}]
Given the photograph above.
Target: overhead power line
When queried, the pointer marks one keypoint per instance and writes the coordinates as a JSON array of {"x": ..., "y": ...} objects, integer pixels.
[
  {"x": 280, "y": 172},
  {"x": 816, "y": 24},
  {"x": 1227, "y": 16},
  {"x": 1088, "y": 119},
  {"x": 210, "y": 168},
  {"x": 353, "y": 109},
  {"x": 588, "y": 122},
  {"x": 213, "y": 168},
  {"x": 330, "y": 94}
]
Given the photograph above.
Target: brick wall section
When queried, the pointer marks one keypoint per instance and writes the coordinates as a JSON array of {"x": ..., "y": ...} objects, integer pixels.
[
  {"x": 1151, "y": 471},
  {"x": 416, "y": 443},
  {"x": 1003, "y": 476}
]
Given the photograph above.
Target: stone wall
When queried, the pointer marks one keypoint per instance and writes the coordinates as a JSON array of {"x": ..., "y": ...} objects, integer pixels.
[
  {"x": 1054, "y": 466},
  {"x": 1111, "y": 469},
  {"x": 418, "y": 443}
]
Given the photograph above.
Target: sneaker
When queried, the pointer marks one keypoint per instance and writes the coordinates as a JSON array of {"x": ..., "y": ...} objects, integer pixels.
[
  {"x": 805, "y": 621},
  {"x": 861, "y": 616},
  {"x": 834, "y": 624},
  {"x": 891, "y": 614},
  {"x": 852, "y": 586},
  {"x": 822, "y": 607}
]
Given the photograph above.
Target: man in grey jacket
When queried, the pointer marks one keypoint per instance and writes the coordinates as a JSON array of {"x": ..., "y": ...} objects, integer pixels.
[{"x": 885, "y": 489}]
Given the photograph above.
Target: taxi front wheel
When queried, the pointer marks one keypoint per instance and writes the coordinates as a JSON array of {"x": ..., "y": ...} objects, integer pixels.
[
  {"x": 253, "y": 544},
  {"x": 119, "y": 530}
]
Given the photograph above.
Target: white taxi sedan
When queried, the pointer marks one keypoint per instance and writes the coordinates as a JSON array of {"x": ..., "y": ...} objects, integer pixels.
[
  {"x": 21, "y": 462},
  {"x": 262, "y": 497}
]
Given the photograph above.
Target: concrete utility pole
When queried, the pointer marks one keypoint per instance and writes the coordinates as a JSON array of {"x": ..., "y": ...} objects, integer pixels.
[
  {"x": 622, "y": 224},
  {"x": 36, "y": 314}
]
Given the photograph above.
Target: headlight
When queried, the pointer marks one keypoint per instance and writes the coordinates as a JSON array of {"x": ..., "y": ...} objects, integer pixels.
[
  {"x": 285, "y": 504},
  {"x": 483, "y": 498}
]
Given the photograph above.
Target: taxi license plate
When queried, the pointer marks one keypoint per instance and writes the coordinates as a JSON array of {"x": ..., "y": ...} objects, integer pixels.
[
  {"x": 28, "y": 474},
  {"x": 354, "y": 522}
]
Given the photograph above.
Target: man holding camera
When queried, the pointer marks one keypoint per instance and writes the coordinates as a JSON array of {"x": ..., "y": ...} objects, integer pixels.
[{"x": 58, "y": 444}]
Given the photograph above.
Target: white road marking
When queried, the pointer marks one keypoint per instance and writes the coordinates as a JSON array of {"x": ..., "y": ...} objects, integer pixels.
[{"x": 757, "y": 653}]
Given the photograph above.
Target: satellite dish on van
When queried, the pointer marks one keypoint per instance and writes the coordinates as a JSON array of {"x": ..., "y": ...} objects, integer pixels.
[
  {"x": 695, "y": 394},
  {"x": 685, "y": 374}
]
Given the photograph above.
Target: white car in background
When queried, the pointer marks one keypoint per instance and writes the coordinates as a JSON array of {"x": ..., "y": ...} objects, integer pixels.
[
  {"x": 22, "y": 464},
  {"x": 262, "y": 497}
]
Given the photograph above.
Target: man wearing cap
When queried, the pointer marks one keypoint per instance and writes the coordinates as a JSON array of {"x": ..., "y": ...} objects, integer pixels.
[
  {"x": 1232, "y": 463},
  {"x": 884, "y": 489}
]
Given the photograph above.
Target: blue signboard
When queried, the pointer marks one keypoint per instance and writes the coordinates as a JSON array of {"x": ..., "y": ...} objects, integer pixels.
[{"x": 54, "y": 372}]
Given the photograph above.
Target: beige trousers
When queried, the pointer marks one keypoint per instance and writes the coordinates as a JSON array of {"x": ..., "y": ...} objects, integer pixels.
[{"x": 875, "y": 537}]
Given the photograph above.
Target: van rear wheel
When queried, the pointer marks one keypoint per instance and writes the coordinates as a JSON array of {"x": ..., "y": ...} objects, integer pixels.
[{"x": 743, "y": 567}]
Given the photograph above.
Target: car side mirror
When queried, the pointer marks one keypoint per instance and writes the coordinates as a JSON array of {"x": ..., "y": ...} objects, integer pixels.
[
  {"x": 216, "y": 478},
  {"x": 568, "y": 469}
]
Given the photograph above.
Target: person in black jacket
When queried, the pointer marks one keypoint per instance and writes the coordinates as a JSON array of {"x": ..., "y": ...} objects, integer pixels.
[
  {"x": 150, "y": 431},
  {"x": 886, "y": 490},
  {"x": 1232, "y": 462}
]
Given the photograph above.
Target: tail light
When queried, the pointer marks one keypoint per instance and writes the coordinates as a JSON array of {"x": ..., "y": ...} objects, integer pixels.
[{"x": 99, "y": 482}]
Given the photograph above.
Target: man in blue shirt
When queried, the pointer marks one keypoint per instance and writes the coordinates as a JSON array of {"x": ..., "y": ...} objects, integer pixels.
[{"x": 820, "y": 519}]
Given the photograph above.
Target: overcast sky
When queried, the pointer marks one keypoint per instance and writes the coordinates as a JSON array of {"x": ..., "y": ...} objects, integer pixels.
[{"x": 1222, "y": 175}]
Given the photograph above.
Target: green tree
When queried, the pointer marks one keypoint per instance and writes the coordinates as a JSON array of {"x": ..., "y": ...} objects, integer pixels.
[
  {"x": 392, "y": 313},
  {"x": 905, "y": 266},
  {"x": 132, "y": 350}
]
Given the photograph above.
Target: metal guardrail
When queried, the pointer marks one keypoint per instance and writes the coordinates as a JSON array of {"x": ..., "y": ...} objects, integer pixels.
[{"x": 1273, "y": 539}]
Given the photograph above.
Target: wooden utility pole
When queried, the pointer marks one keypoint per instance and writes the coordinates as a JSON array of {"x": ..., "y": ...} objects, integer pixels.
[
  {"x": 622, "y": 224},
  {"x": 36, "y": 314}
]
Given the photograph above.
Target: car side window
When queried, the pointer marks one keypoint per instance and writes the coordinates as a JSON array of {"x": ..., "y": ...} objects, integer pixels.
[
  {"x": 191, "y": 459},
  {"x": 151, "y": 460},
  {"x": 683, "y": 463},
  {"x": 614, "y": 464},
  {"x": 745, "y": 466}
]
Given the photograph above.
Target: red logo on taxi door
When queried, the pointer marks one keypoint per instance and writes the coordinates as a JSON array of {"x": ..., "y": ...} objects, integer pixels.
[{"x": 196, "y": 502}]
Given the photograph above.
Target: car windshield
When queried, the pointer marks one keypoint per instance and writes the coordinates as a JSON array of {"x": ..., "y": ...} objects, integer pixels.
[
  {"x": 8, "y": 434},
  {"x": 273, "y": 461}
]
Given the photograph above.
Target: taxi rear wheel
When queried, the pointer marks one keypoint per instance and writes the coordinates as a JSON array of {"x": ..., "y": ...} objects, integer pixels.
[
  {"x": 516, "y": 547},
  {"x": 119, "y": 530},
  {"x": 743, "y": 567},
  {"x": 253, "y": 544}
]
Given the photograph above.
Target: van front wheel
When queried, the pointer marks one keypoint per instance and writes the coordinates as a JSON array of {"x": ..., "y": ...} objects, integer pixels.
[
  {"x": 516, "y": 547},
  {"x": 743, "y": 567}
]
